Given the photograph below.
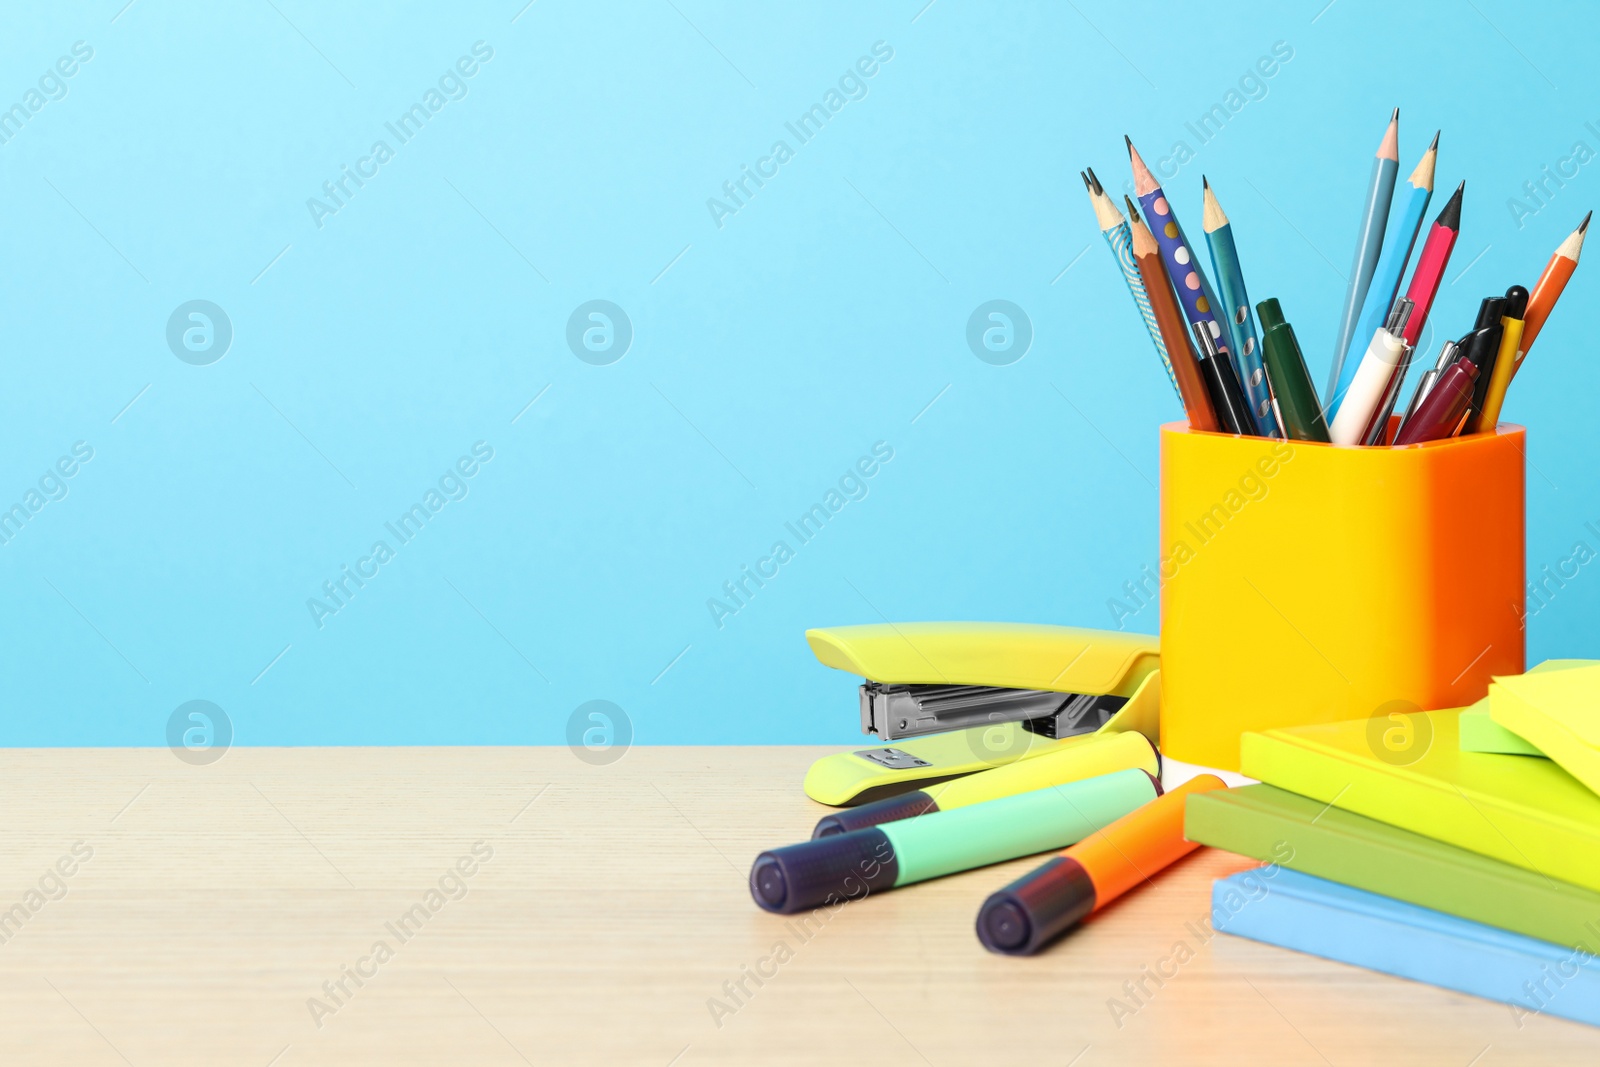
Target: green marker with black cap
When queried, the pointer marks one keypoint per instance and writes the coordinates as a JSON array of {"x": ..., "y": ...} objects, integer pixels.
[{"x": 843, "y": 867}]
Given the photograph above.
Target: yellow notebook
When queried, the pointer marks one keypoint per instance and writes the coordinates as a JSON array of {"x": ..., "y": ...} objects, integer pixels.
[
  {"x": 1559, "y": 712},
  {"x": 1526, "y": 812}
]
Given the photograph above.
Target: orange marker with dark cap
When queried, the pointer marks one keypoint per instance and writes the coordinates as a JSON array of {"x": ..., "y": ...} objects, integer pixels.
[{"x": 1042, "y": 905}]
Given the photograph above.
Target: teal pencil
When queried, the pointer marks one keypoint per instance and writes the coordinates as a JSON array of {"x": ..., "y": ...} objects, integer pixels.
[
  {"x": 1369, "y": 241},
  {"x": 1114, "y": 228},
  {"x": 1241, "y": 321},
  {"x": 1397, "y": 246}
]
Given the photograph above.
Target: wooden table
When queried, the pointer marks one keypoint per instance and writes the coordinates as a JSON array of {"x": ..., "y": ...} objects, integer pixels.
[{"x": 604, "y": 918}]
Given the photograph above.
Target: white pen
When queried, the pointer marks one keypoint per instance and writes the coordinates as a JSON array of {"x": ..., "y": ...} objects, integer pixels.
[{"x": 1370, "y": 386}]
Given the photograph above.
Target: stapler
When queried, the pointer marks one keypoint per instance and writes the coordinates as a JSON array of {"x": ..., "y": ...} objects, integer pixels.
[{"x": 960, "y": 697}]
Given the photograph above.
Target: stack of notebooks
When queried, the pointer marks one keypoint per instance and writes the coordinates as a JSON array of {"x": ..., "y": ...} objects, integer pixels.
[{"x": 1468, "y": 860}]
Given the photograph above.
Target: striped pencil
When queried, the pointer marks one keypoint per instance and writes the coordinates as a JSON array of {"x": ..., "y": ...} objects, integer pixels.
[
  {"x": 1369, "y": 241},
  {"x": 1397, "y": 247},
  {"x": 1547, "y": 290},
  {"x": 1191, "y": 378},
  {"x": 1114, "y": 228},
  {"x": 1435, "y": 255},
  {"x": 1194, "y": 291},
  {"x": 1241, "y": 323}
]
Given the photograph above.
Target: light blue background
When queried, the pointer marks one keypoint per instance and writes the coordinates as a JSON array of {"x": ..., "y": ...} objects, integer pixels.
[{"x": 768, "y": 353}]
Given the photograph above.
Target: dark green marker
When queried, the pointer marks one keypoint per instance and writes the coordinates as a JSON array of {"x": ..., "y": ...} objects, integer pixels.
[{"x": 1303, "y": 419}]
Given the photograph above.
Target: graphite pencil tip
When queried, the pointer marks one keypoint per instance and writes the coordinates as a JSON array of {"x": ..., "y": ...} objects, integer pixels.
[
  {"x": 1128, "y": 141},
  {"x": 1389, "y": 147},
  {"x": 1572, "y": 247},
  {"x": 1094, "y": 182},
  {"x": 1450, "y": 217},
  {"x": 1205, "y": 183},
  {"x": 1133, "y": 212},
  {"x": 1422, "y": 176},
  {"x": 1212, "y": 216},
  {"x": 1086, "y": 184},
  {"x": 1143, "y": 181}
]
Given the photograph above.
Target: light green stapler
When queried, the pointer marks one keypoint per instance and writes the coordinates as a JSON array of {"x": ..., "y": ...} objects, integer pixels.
[{"x": 960, "y": 697}]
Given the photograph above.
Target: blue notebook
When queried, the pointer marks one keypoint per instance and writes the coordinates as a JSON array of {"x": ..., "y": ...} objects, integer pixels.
[{"x": 1294, "y": 910}]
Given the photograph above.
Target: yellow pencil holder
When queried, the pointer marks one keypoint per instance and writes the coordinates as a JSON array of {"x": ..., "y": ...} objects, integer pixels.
[{"x": 1305, "y": 583}]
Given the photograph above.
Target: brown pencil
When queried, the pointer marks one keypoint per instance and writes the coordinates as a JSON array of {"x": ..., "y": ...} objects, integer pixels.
[{"x": 1169, "y": 320}]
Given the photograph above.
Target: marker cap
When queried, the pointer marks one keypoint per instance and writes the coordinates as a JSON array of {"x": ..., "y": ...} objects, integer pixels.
[
  {"x": 823, "y": 870},
  {"x": 890, "y": 809},
  {"x": 1037, "y": 908}
]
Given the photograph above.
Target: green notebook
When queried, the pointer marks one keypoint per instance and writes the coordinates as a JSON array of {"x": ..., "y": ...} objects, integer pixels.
[
  {"x": 1274, "y": 826},
  {"x": 1526, "y": 812},
  {"x": 1480, "y": 733}
]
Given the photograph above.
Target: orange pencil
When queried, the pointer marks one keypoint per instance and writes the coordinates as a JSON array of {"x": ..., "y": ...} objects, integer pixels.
[
  {"x": 1548, "y": 289},
  {"x": 1040, "y": 906},
  {"x": 1169, "y": 321}
]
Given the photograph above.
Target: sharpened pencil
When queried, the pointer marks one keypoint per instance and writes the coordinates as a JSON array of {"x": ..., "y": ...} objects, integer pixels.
[
  {"x": 1547, "y": 290},
  {"x": 1369, "y": 242},
  {"x": 1398, "y": 243},
  {"x": 1241, "y": 321},
  {"x": 1114, "y": 228},
  {"x": 1177, "y": 255},
  {"x": 1164, "y": 306},
  {"x": 1435, "y": 256}
]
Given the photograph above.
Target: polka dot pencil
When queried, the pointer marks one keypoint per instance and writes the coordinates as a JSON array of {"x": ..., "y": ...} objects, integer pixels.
[
  {"x": 1194, "y": 291},
  {"x": 1241, "y": 324},
  {"x": 1114, "y": 228},
  {"x": 1192, "y": 384}
]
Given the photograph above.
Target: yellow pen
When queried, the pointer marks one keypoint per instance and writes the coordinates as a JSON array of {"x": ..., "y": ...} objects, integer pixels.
[
  {"x": 1505, "y": 362},
  {"x": 1075, "y": 761}
]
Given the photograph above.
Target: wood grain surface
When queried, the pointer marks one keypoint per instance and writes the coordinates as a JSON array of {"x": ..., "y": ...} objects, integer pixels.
[{"x": 604, "y": 918}]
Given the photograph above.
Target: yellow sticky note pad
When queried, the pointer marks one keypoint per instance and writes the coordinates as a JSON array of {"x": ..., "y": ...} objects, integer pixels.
[{"x": 1558, "y": 712}]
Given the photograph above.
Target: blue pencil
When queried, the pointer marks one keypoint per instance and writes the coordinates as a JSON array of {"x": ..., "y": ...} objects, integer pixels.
[
  {"x": 1239, "y": 320},
  {"x": 1194, "y": 294},
  {"x": 1397, "y": 246},
  {"x": 1119, "y": 238},
  {"x": 1369, "y": 240}
]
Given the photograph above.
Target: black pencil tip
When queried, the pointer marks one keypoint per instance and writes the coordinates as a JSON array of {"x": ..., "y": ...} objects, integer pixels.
[
  {"x": 1451, "y": 215},
  {"x": 1133, "y": 212},
  {"x": 1396, "y": 116},
  {"x": 1584, "y": 225},
  {"x": 1205, "y": 183},
  {"x": 1128, "y": 141},
  {"x": 1094, "y": 182},
  {"x": 1434, "y": 147},
  {"x": 1085, "y": 178}
]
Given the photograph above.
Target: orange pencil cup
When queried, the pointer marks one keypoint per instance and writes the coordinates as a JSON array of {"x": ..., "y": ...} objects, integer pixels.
[{"x": 1305, "y": 582}]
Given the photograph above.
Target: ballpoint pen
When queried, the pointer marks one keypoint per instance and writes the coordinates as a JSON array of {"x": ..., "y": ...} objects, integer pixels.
[
  {"x": 1370, "y": 385},
  {"x": 1447, "y": 352},
  {"x": 1487, "y": 417},
  {"x": 1227, "y": 396}
]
